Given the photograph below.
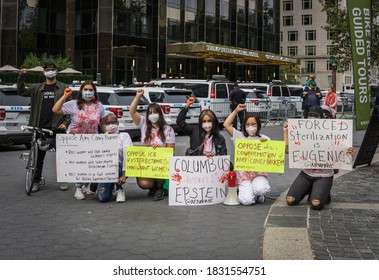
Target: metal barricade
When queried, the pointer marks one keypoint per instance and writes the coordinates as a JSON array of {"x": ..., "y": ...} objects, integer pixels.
[
  {"x": 279, "y": 111},
  {"x": 261, "y": 108},
  {"x": 347, "y": 107}
]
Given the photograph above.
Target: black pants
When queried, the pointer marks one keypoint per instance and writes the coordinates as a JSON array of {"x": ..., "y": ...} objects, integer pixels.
[
  {"x": 42, "y": 154},
  {"x": 241, "y": 116},
  {"x": 318, "y": 188}
]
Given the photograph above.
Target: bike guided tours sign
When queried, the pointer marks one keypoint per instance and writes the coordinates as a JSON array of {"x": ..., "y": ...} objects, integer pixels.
[
  {"x": 198, "y": 180},
  {"x": 320, "y": 143},
  {"x": 87, "y": 158},
  {"x": 359, "y": 13}
]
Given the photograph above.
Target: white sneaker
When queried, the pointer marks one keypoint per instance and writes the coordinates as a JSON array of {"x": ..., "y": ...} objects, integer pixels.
[
  {"x": 120, "y": 196},
  {"x": 79, "y": 194},
  {"x": 86, "y": 189},
  {"x": 64, "y": 186}
]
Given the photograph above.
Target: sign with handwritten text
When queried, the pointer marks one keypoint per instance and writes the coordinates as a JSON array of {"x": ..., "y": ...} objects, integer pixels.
[
  {"x": 320, "y": 143},
  {"x": 198, "y": 180},
  {"x": 257, "y": 156},
  {"x": 148, "y": 162},
  {"x": 87, "y": 158}
]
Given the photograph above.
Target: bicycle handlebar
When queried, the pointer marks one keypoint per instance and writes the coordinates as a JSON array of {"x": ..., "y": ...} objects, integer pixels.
[{"x": 25, "y": 127}]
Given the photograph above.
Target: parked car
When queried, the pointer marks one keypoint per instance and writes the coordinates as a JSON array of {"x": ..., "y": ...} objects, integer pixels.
[
  {"x": 212, "y": 94},
  {"x": 171, "y": 101},
  {"x": 14, "y": 113},
  {"x": 296, "y": 97},
  {"x": 279, "y": 95},
  {"x": 118, "y": 100},
  {"x": 257, "y": 102}
]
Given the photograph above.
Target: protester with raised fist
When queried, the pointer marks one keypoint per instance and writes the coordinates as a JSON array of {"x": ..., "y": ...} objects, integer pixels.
[
  {"x": 205, "y": 138},
  {"x": 252, "y": 186},
  {"x": 155, "y": 132},
  {"x": 43, "y": 96},
  {"x": 87, "y": 114}
]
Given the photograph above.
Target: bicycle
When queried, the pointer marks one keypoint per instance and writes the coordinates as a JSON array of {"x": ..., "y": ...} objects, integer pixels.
[{"x": 39, "y": 142}]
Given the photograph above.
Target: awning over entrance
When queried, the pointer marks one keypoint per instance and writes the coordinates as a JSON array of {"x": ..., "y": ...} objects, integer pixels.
[{"x": 226, "y": 53}]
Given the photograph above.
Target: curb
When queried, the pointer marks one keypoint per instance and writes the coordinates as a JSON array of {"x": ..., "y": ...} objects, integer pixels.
[{"x": 286, "y": 235}]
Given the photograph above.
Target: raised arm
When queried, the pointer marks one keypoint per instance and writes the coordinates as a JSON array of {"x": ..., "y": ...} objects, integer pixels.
[
  {"x": 181, "y": 119},
  {"x": 21, "y": 89},
  {"x": 57, "y": 109},
  {"x": 133, "y": 107},
  {"x": 228, "y": 123}
]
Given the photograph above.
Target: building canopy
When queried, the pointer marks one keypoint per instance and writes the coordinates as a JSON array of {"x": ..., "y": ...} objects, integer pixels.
[{"x": 227, "y": 53}]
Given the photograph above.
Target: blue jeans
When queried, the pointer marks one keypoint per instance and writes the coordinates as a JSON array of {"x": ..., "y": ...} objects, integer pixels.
[{"x": 104, "y": 190}]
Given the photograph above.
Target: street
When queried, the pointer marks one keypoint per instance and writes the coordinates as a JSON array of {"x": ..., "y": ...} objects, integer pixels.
[{"x": 52, "y": 224}]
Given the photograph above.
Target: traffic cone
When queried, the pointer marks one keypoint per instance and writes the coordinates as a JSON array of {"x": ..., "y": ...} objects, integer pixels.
[{"x": 231, "y": 195}]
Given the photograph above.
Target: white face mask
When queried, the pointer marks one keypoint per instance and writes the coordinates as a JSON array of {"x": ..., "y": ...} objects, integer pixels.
[
  {"x": 207, "y": 126},
  {"x": 153, "y": 118},
  {"x": 251, "y": 130},
  {"x": 111, "y": 128},
  {"x": 88, "y": 95},
  {"x": 50, "y": 74}
]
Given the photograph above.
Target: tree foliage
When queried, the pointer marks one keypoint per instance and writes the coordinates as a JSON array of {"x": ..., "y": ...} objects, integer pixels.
[
  {"x": 338, "y": 26},
  {"x": 32, "y": 60},
  {"x": 287, "y": 74}
]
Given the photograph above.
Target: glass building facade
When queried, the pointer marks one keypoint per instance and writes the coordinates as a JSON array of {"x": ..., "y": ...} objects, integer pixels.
[{"x": 148, "y": 39}]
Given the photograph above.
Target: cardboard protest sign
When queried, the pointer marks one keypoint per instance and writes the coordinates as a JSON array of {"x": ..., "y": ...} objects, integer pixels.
[
  {"x": 257, "y": 156},
  {"x": 198, "y": 180},
  {"x": 148, "y": 162},
  {"x": 87, "y": 158},
  {"x": 320, "y": 143}
]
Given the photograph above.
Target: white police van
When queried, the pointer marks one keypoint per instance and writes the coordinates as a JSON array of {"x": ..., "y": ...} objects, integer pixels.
[
  {"x": 212, "y": 94},
  {"x": 14, "y": 113}
]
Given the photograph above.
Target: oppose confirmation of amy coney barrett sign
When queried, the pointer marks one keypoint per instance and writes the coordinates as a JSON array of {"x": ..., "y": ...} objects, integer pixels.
[{"x": 320, "y": 143}]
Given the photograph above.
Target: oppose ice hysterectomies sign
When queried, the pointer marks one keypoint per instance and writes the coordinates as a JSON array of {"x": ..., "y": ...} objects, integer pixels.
[
  {"x": 87, "y": 158},
  {"x": 320, "y": 143},
  {"x": 198, "y": 180}
]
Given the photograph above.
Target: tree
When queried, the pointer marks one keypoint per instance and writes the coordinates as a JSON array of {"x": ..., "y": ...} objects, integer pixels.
[
  {"x": 338, "y": 26},
  {"x": 287, "y": 73},
  {"x": 32, "y": 60}
]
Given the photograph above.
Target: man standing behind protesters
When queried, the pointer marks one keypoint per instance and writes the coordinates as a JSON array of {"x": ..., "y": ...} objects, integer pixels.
[
  {"x": 237, "y": 96},
  {"x": 42, "y": 99},
  {"x": 311, "y": 97}
]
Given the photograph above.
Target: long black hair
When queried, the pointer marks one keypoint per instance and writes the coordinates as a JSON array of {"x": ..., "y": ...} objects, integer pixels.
[
  {"x": 215, "y": 124},
  {"x": 257, "y": 120},
  {"x": 149, "y": 126},
  {"x": 81, "y": 101}
]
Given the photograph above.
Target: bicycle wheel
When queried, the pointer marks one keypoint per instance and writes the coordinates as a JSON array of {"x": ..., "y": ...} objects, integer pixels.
[{"x": 31, "y": 168}]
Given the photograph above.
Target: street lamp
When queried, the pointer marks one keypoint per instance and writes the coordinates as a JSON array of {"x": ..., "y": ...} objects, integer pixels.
[{"x": 333, "y": 65}]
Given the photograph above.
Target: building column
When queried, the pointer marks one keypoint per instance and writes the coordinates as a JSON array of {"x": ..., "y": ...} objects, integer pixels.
[
  {"x": 70, "y": 30},
  {"x": 9, "y": 34},
  {"x": 105, "y": 40}
]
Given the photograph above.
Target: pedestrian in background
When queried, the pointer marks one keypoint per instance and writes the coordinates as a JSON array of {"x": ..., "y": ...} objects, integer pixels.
[
  {"x": 43, "y": 96},
  {"x": 155, "y": 132},
  {"x": 205, "y": 138},
  {"x": 237, "y": 96},
  {"x": 104, "y": 190},
  {"x": 331, "y": 100},
  {"x": 252, "y": 186},
  {"x": 311, "y": 97},
  {"x": 87, "y": 114}
]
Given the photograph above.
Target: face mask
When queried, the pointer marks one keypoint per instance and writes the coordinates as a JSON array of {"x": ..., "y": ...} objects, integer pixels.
[
  {"x": 251, "y": 129},
  {"x": 207, "y": 126},
  {"x": 88, "y": 95},
  {"x": 50, "y": 74},
  {"x": 111, "y": 128},
  {"x": 153, "y": 118}
]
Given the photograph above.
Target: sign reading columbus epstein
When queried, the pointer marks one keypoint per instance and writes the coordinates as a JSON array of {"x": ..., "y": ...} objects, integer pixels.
[
  {"x": 359, "y": 12},
  {"x": 320, "y": 143}
]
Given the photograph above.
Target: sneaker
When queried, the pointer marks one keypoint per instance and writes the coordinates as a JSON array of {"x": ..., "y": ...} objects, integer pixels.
[
  {"x": 151, "y": 191},
  {"x": 64, "y": 187},
  {"x": 158, "y": 195},
  {"x": 35, "y": 187},
  {"x": 87, "y": 189},
  {"x": 261, "y": 198},
  {"x": 120, "y": 196},
  {"x": 79, "y": 194}
]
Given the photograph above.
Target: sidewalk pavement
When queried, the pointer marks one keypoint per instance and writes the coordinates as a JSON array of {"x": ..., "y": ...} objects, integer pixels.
[{"x": 346, "y": 229}]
